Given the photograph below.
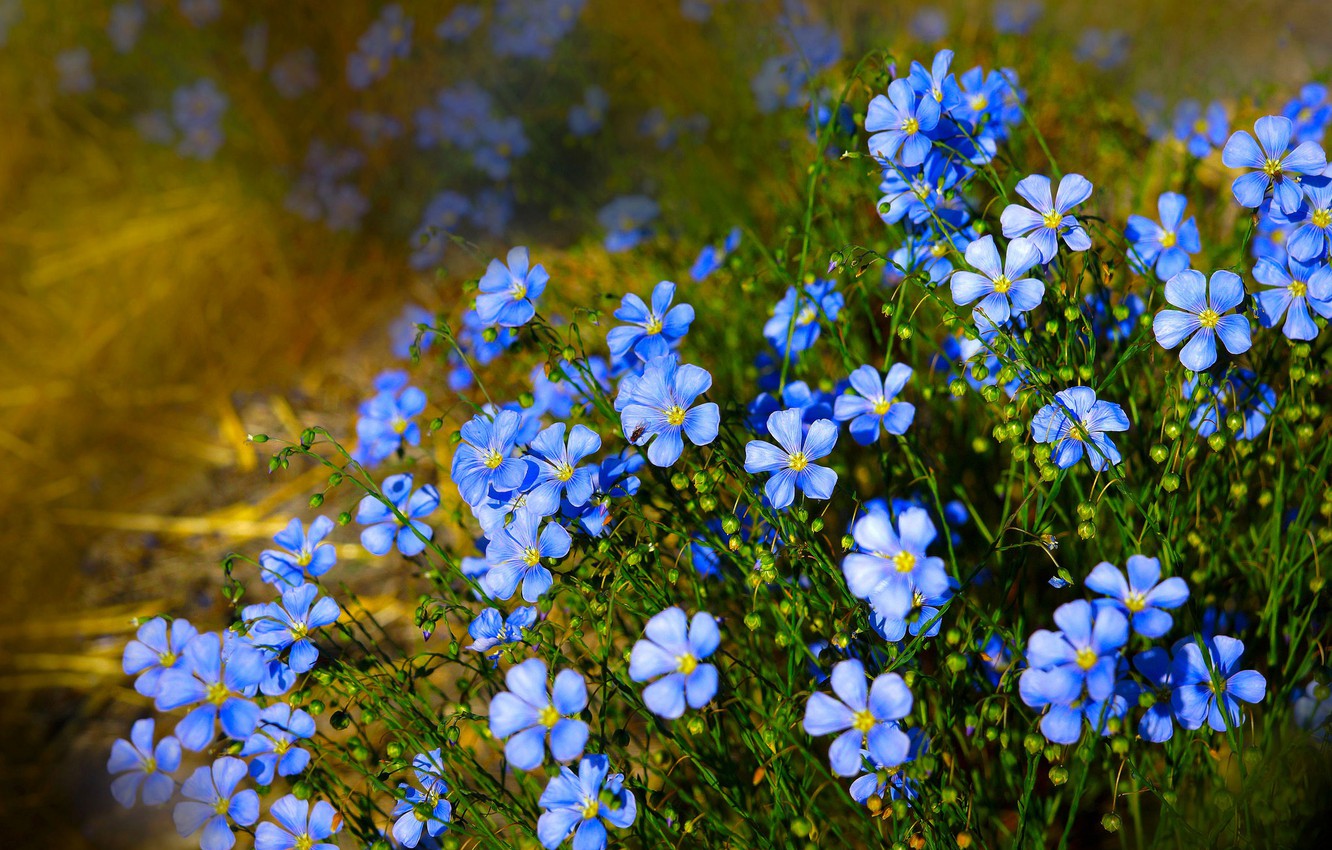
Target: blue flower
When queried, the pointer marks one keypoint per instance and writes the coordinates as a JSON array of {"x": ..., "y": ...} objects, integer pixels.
[
  {"x": 711, "y": 257},
  {"x": 792, "y": 460},
  {"x": 1016, "y": 17},
  {"x": 674, "y": 648},
  {"x": 419, "y": 813},
  {"x": 1210, "y": 689},
  {"x": 490, "y": 628},
  {"x": 558, "y": 472},
  {"x": 1201, "y": 316},
  {"x": 794, "y": 325},
  {"x": 1143, "y": 596},
  {"x": 526, "y": 714},
  {"x": 652, "y": 330},
  {"x": 936, "y": 83},
  {"x": 1074, "y": 419},
  {"x": 143, "y": 765},
  {"x": 385, "y": 424},
  {"x": 302, "y": 554},
  {"x": 1294, "y": 291},
  {"x": 1273, "y": 168},
  {"x": 211, "y": 800},
  {"x": 587, "y": 117},
  {"x": 508, "y": 293},
  {"x": 1240, "y": 392},
  {"x": 1309, "y": 112},
  {"x": 922, "y": 618},
  {"x": 995, "y": 659},
  {"x": 1313, "y": 708},
  {"x": 874, "y": 405},
  {"x": 883, "y": 760},
  {"x": 1002, "y": 288},
  {"x": 1201, "y": 132},
  {"x": 125, "y": 24},
  {"x": 483, "y": 460},
  {"x": 626, "y": 220},
  {"x": 387, "y": 527},
  {"x": 1048, "y": 220},
  {"x": 431, "y": 238},
  {"x": 461, "y": 22},
  {"x": 298, "y": 827},
  {"x": 156, "y": 648},
  {"x": 1157, "y": 723},
  {"x": 614, "y": 480},
  {"x": 862, "y": 718},
  {"x": 1075, "y": 671},
  {"x": 892, "y": 566},
  {"x": 280, "y": 726},
  {"x": 289, "y": 623},
  {"x": 920, "y": 193},
  {"x": 900, "y": 123},
  {"x": 515, "y": 557},
  {"x": 1165, "y": 246},
  {"x": 659, "y": 407},
  {"x": 578, "y": 803},
  {"x": 217, "y": 676},
  {"x": 1311, "y": 223}
]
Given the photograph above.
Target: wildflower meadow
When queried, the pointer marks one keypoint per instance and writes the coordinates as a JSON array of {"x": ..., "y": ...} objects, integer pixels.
[{"x": 916, "y": 451}]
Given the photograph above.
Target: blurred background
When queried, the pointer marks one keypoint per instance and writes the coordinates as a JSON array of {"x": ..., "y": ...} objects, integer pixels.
[{"x": 213, "y": 211}]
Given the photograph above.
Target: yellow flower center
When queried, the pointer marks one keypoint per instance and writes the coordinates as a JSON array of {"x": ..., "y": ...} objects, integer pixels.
[
  {"x": 1200, "y": 126},
  {"x": 1002, "y": 284},
  {"x": 167, "y": 659},
  {"x": 518, "y": 290},
  {"x": 217, "y": 693},
  {"x": 1297, "y": 289},
  {"x": 1321, "y": 218},
  {"x": 686, "y": 663},
  {"x": 303, "y": 559},
  {"x": 220, "y": 805},
  {"x": 304, "y": 842},
  {"x": 921, "y": 191},
  {"x": 281, "y": 745},
  {"x": 938, "y": 249},
  {"x": 864, "y": 721},
  {"x": 1272, "y": 168},
  {"x": 591, "y": 808},
  {"x": 564, "y": 472},
  {"x": 1135, "y": 602},
  {"x": 654, "y": 325},
  {"x": 806, "y": 315},
  {"x": 399, "y": 425},
  {"x": 1086, "y": 658},
  {"x": 979, "y": 103},
  {"x": 910, "y": 126},
  {"x": 150, "y": 765},
  {"x": 548, "y": 716},
  {"x": 493, "y": 459},
  {"x": 881, "y": 406},
  {"x": 531, "y": 557},
  {"x": 798, "y": 461},
  {"x": 1168, "y": 239},
  {"x": 1209, "y": 318},
  {"x": 675, "y": 416},
  {"x": 904, "y": 561},
  {"x": 1052, "y": 219}
]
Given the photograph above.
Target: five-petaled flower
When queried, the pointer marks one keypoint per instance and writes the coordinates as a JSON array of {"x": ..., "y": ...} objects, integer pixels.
[
  {"x": 396, "y": 517},
  {"x": 1143, "y": 597},
  {"x": 1078, "y": 421},
  {"x": 893, "y": 566},
  {"x": 211, "y": 799},
  {"x": 674, "y": 648},
  {"x": 1273, "y": 168},
  {"x": 303, "y": 553},
  {"x": 515, "y": 554},
  {"x": 874, "y": 404},
  {"x": 1002, "y": 288},
  {"x": 141, "y": 764},
  {"x": 483, "y": 458},
  {"x": 507, "y": 293},
  {"x": 901, "y": 121},
  {"x": 527, "y": 714},
  {"x": 659, "y": 406},
  {"x": 1048, "y": 219},
  {"x": 861, "y": 718},
  {"x": 651, "y": 331},
  {"x": 1163, "y": 247},
  {"x": 1210, "y": 689},
  {"x": 792, "y": 461},
  {"x": 299, "y": 826},
  {"x": 578, "y": 803},
  {"x": 1203, "y": 306},
  {"x": 1293, "y": 291}
]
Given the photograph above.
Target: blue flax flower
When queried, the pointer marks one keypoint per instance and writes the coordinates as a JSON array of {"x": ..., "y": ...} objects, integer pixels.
[
  {"x": 884, "y": 778},
  {"x": 1294, "y": 291},
  {"x": 1075, "y": 671},
  {"x": 211, "y": 800},
  {"x": 515, "y": 557},
  {"x": 156, "y": 648},
  {"x": 1200, "y": 131},
  {"x": 288, "y": 624},
  {"x": 1164, "y": 247},
  {"x": 922, "y": 617},
  {"x": 217, "y": 677},
  {"x": 1048, "y": 219},
  {"x": 1211, "y": 690},
  {"x": 527, "y": 714},
  {"x": 387, "y": 528},
  {"x": 483, "y": 459},
  {"x": 936, "y": 83},
  {"x": 508, "y": 293},
  {"x": 558, "y": 472},
  {"x": 1313, "y": 709},
  {"x": 659, "y": 406},
  {"x": 490, "y": 628},
  {"x": 892, "y": 566},
  {"x": 1273, "y": 168},
  {"x": 302, "y": 554},
  {"x": 298, "y": 827},
  {"x": 387, "y": 423},
  {"x": 271, "y": 745},
  {"x": 874, "y": 404},
  {"x": 578, "y": 803},
  {"x": 1240, "y": 392},
  {"x": 652, "y": 330},
  {"x": 791, "y": 462},
  {"x": 862, "y": 718},
  {"x": 1002, "y": 288},
  {"x": 1143, "y": 597},
  {"x": 900, "y": 122},
  {"x": 1157, "y": 723},
  {"x": 794, "y": 325},
  {"x": 420, "y": 812},
  {"x": 1313, "y": 236},
  {"x": 1074, "y": 419},
  {"x": 627, "y": 220},
  {"x": 141, "y": 764},
  {"x": 1309, "y": 112},
  {"x": 1201, "y": 316},
  {"x": 673, "y": 648}
]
